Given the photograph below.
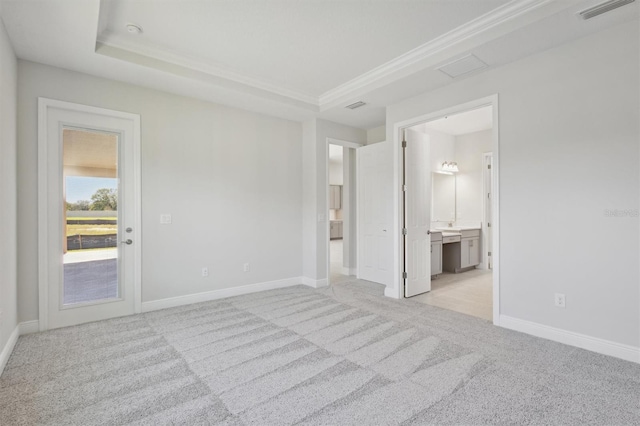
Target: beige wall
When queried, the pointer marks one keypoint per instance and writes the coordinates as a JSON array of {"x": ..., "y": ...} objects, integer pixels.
[
  {"x": 569, "y": 152},
  {"x": 8, "y": 219},
  {"x": 231, "y": 180}
]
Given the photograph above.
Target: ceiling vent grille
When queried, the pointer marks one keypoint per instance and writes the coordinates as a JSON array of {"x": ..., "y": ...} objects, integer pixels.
[
  {"x": 356, "y": 105},
  {"x": 603, "y": 8},
  {"x": 463, "y": 66}
]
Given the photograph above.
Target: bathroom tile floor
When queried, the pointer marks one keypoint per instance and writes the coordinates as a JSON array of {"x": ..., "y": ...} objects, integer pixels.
[{"x": 468, "y": 292}]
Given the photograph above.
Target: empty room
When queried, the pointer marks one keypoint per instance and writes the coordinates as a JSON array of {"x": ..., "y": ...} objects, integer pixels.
[{"x": 349, "y": 212}]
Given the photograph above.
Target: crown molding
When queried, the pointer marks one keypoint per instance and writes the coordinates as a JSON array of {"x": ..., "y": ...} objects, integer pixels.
[
  {"x": 500, "y": 20},
  {"x": 473, "y": 28},
  {"x": 113, "y": 41}
]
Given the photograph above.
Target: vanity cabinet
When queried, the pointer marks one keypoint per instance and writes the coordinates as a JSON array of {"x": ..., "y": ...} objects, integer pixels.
[
  {"x": 469, "y": 252},
  {"x": 335, "y": 229},
  {"x": 436, "y": 253},
  {"x": 463, "y": 254},
  {"x": 335, "y": 197}
]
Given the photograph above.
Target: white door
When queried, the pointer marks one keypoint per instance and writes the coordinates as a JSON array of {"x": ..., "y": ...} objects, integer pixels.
[
  {"x": 89, "y": 215},
  {"x": 417, "y": 214},
  {"x": 375, "y": 212}
]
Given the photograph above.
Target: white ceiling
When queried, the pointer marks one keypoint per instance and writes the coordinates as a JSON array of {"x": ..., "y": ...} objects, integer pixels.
[
  {"x": 309, "y": 47},
  {"x": 460, "y": 124},
  {"x": 291, "y": 58}
]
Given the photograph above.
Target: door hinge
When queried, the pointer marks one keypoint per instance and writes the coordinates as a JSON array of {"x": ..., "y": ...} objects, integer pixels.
[
  {"x": 404, "y": 188},
  {"x": 404, "y": 144},
  {"x": 489, "y": 253},
  {"x": 488, "y": 224},
  {"x": 404, "y": 276},
  {"x": 488, "y": 195},
  {"x": 404, "y": 231},
  {"x": 488, "y": 166}
]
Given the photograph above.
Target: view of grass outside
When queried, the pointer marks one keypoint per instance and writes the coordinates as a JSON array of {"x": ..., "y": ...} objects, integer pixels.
[
  {"x": 104, "y": 197},
  {"x": 91, "y": 229}
]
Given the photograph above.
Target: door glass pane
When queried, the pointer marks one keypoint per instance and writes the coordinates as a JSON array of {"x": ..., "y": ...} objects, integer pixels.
[{"x": 90, "y": 241}]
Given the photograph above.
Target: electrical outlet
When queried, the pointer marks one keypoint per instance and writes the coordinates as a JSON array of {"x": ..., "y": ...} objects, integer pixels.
[
  {"x": 246, "y": 267},
  {"x": 560, "y": 300},
  {"x": 205, "y": 272}
]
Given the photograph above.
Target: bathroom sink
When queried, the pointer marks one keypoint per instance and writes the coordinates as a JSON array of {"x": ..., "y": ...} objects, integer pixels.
[{"x": 457, "y": 228}]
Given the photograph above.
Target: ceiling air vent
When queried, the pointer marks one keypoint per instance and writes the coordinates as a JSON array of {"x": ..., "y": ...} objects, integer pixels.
[
  {"x": 603, "y": 8},
  {"x": 356, "y": 105},
  {"x": 462, "y": 66}
]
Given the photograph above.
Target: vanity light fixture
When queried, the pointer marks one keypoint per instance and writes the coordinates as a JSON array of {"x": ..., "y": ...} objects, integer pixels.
[
  {"x": 134, "y": 29},
  {"x": 450, "y": 167}
]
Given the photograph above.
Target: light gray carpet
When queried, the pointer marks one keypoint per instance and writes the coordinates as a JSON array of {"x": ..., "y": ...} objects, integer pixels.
[{"x": 339, "y": 356}]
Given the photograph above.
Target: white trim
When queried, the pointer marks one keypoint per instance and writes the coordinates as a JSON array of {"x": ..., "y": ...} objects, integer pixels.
[
  {"x": 137, "y": 214},
  {"x": 472, "y": 30},
  {"x": 594, "y": 344},
  {"x": 398, "y": 127},
  {"x": 499, "y": 21},
  {"x": 315, "y": 283},
  {"x": 223, "y": 293},
  {"x": 43, "y": 206},
  {"x": 29, "y": 327},
  {"x": 43, "y": 214},
  {"x": 487, "y": 158},
  {"x": 495, "y": 208},
  {"x": 394, "y": 292},
  {"x": 346, "y": 144},
  {"x": 8, "y": 348}
]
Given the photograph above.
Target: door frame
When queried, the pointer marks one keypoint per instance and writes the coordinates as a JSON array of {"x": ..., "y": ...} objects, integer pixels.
[
  {"x": 397, "y": 291},
  {"x": 44, "y": 104},
  {"x": 350, "y": 227},
  {"x": 487, "y": 158}
]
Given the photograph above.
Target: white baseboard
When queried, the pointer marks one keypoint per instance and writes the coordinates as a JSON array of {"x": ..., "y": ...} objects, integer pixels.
[
  {"x": 315, "y": 283},
  {"x": 349, "y": 271},
  {"x": 8, "y": 348},
  {"x": 29, "y": 327},
  {"x": 172, "y": 302},
  {"x": 393, "y": 292},
  {"x": 601, "y": 346}
]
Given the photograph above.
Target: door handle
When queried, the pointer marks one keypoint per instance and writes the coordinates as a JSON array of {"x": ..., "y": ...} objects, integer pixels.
[{"x": 127, "y": 242}]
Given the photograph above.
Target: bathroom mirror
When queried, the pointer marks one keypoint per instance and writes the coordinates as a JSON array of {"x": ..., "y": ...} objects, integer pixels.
[{"x": 443, "y": 198}]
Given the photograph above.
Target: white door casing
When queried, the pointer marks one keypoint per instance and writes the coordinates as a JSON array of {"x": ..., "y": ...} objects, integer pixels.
[
  {"x": 417, "y": 214},
  {"x": 53, "y": 117},
  {"x": 375, "y": 212},
  {"x": 487, "y": 224}
]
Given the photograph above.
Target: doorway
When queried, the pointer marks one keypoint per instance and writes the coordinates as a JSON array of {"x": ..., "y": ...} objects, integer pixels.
[
  {"x": 341, "y": 213},
  {"x": 89, "y": 214},
  {"x": 449, "y": 152}
]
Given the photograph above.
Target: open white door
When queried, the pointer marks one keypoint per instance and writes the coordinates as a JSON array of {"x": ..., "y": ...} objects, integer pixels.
[
  {"x": 417, "y": 203},
  {"x": 375, "y": 212}
]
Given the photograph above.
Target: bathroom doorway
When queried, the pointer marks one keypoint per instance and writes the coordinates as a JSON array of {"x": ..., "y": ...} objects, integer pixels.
[
  {"x": 341, "y": 215},
  {"x": 448, "y": 178}
]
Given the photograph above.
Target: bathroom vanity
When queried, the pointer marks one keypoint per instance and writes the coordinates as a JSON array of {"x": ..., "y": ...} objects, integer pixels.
[
  {"x": 436, "y": 253},
  {"x": 460, "y": 249}
]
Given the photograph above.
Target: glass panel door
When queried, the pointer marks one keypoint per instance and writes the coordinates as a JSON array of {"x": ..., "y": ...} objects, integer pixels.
[{"x": 90, "y": 219}]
